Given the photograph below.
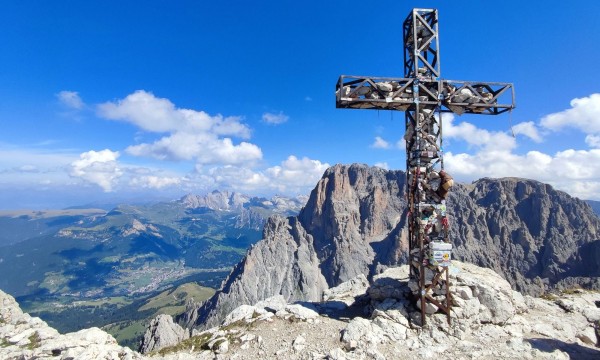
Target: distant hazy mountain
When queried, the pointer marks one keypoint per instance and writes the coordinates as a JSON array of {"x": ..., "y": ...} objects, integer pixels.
[
  {"x": 595, "y": 206},
  {"x": 131, "y": 248},
  {"x": 20, "y": 225}
]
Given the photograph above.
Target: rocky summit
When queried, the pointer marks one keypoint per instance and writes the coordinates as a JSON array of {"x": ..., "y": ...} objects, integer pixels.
[
  {"x": 536, "y": 237},
  {"x": 360, "y": 319}
]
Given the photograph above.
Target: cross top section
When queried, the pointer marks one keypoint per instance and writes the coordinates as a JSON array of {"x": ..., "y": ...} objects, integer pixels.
[{"x": 421, "y": 57}]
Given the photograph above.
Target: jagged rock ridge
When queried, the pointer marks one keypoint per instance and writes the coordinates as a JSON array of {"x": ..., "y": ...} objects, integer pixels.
[
  {"x": 251, "y": 211},
  {"x": 353, "y": 223},
  {"x": 535, "y": 236}
]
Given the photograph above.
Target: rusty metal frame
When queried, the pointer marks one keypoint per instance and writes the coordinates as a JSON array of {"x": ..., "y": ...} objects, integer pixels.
[
  {"x": 425, "y": 54},
  {"x": 502, "y": 100},
  {"x": 423, "y": 96}
]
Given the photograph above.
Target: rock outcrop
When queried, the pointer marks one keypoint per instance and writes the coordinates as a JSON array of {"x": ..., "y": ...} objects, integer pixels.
[
  {"x": 489, "y": 321},
  {"x": 162, "y": 332},
  {"x": 26, "y": 337},
  {"x": 538, "y": 238},
  {"x": 360, "y": 320}
]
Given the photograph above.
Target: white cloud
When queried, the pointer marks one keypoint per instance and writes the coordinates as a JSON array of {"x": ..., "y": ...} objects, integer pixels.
[
  {"x": 593, "y": 141},
  {"x": 380, "y": 143},
  {"x": 28, "y": 168},
  {"x": 97, "y": 167},
  {"x": 154, "y": 182},
  {"x": 160, "y": 115},
  {"x": 224, "y": 152},
  {"x": 70, "y": 99},
  {"x": 296, "y": 173},
  {"x": 203, "y": 148},
  {"x": 583, "y": 115},
  {"x": 383, "y": 165},
  {"x": 473, "y": 136},
  {"x": 238, "y": 178},
  {"x": 575, "y": 171},
  {"x": 529, "y": 130},
  {"x": 191, "y": 134},
  {"x": 401, "y": 144},
  {"x": 293, "y": 175},
  {"x": 493, "y": 156},
  {"x": 308, "y": 98},
  {"x": 275, "y": 119}
]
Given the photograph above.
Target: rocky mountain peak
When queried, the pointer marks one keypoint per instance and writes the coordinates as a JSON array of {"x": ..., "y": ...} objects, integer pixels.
[
  {"x": 538, "y": 238},
  {"x": 215, "y": 200}
]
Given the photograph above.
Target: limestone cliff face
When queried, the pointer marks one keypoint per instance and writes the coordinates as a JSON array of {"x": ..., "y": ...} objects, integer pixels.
[
  {"x": 355, "y": 216},
  {"x": 284, "y": 262},
  {"x": 353, "y": 223},
  {"x": 533, "y": 235}
]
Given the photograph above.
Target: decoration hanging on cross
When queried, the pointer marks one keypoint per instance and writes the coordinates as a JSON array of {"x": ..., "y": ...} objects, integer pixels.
[{"x": 423, "y": 96}]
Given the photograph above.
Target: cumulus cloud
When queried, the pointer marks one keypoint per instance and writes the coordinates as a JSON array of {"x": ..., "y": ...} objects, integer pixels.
[
  {"x": 97, "y": 167},
  {"x": 223, "y": 151},
  {"x": 189, "y": 134},
  {"x": 296, "y": 173},
  {"x": 293, "y": 175},
  {"x": 476, "y": 137},
  {"x": 383, "y": 165},
  {"x": 593, "y": 141},
  {"x": 574, "y": 171},
  {"x": 70, "y": 99},
  {"x": 154, "y": 182},
  {"x": 529, "y": 130},
  {"x": 583, "y": 115},
  {"x": 275, "y": 119},
  {"x": 203, "y": 148},
  {"x": 380, "y": 143},
  {"x": 238, "y": 178}
]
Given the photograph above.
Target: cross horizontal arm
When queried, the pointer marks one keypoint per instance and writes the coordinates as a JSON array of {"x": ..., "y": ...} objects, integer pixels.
[{"x": 455, "y": 96}]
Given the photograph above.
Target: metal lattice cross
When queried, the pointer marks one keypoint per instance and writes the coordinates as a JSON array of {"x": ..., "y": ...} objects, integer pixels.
[{"x": 423, "y": 96}]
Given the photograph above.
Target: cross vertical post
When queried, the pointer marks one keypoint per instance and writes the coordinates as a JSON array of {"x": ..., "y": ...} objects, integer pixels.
[{"x": 424, "y": 96}]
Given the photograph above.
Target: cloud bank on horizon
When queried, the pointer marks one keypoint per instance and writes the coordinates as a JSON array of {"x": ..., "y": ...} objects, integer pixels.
[
  {"x": 219, "y": 153},
  {"x": 216, "y": 149},
  {"x": 494, "y": 153}
]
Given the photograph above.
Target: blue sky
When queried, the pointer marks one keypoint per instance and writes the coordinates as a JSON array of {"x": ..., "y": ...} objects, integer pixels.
[{"x": 123, "y": 100}]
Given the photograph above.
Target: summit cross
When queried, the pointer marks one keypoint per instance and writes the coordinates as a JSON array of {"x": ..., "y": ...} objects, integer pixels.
[{"x": 423, "y": 96}]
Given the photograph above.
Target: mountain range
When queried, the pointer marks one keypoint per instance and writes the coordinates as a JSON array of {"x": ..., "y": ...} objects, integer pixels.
[
  {"x": 536, "y": 237},
  {"x": 104, "y": 266},
  {"x": 353, "y": 224}
]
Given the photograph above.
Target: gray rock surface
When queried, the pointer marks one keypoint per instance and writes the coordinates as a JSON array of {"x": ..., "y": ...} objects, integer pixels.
[
  {"x": 26, "y": 337},
  {"x": 162, "y": 332},
  {"x": 535, "y": 236},
  {"x": 489, "y": 321},
  {"x": 353, "y": 224}
]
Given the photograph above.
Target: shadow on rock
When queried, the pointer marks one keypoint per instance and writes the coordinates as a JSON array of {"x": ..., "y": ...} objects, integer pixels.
[{"x": 575, "y": 351}]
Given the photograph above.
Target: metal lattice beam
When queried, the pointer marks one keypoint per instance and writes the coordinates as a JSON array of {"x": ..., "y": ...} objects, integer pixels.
[{"x": 423, "y": 96}]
